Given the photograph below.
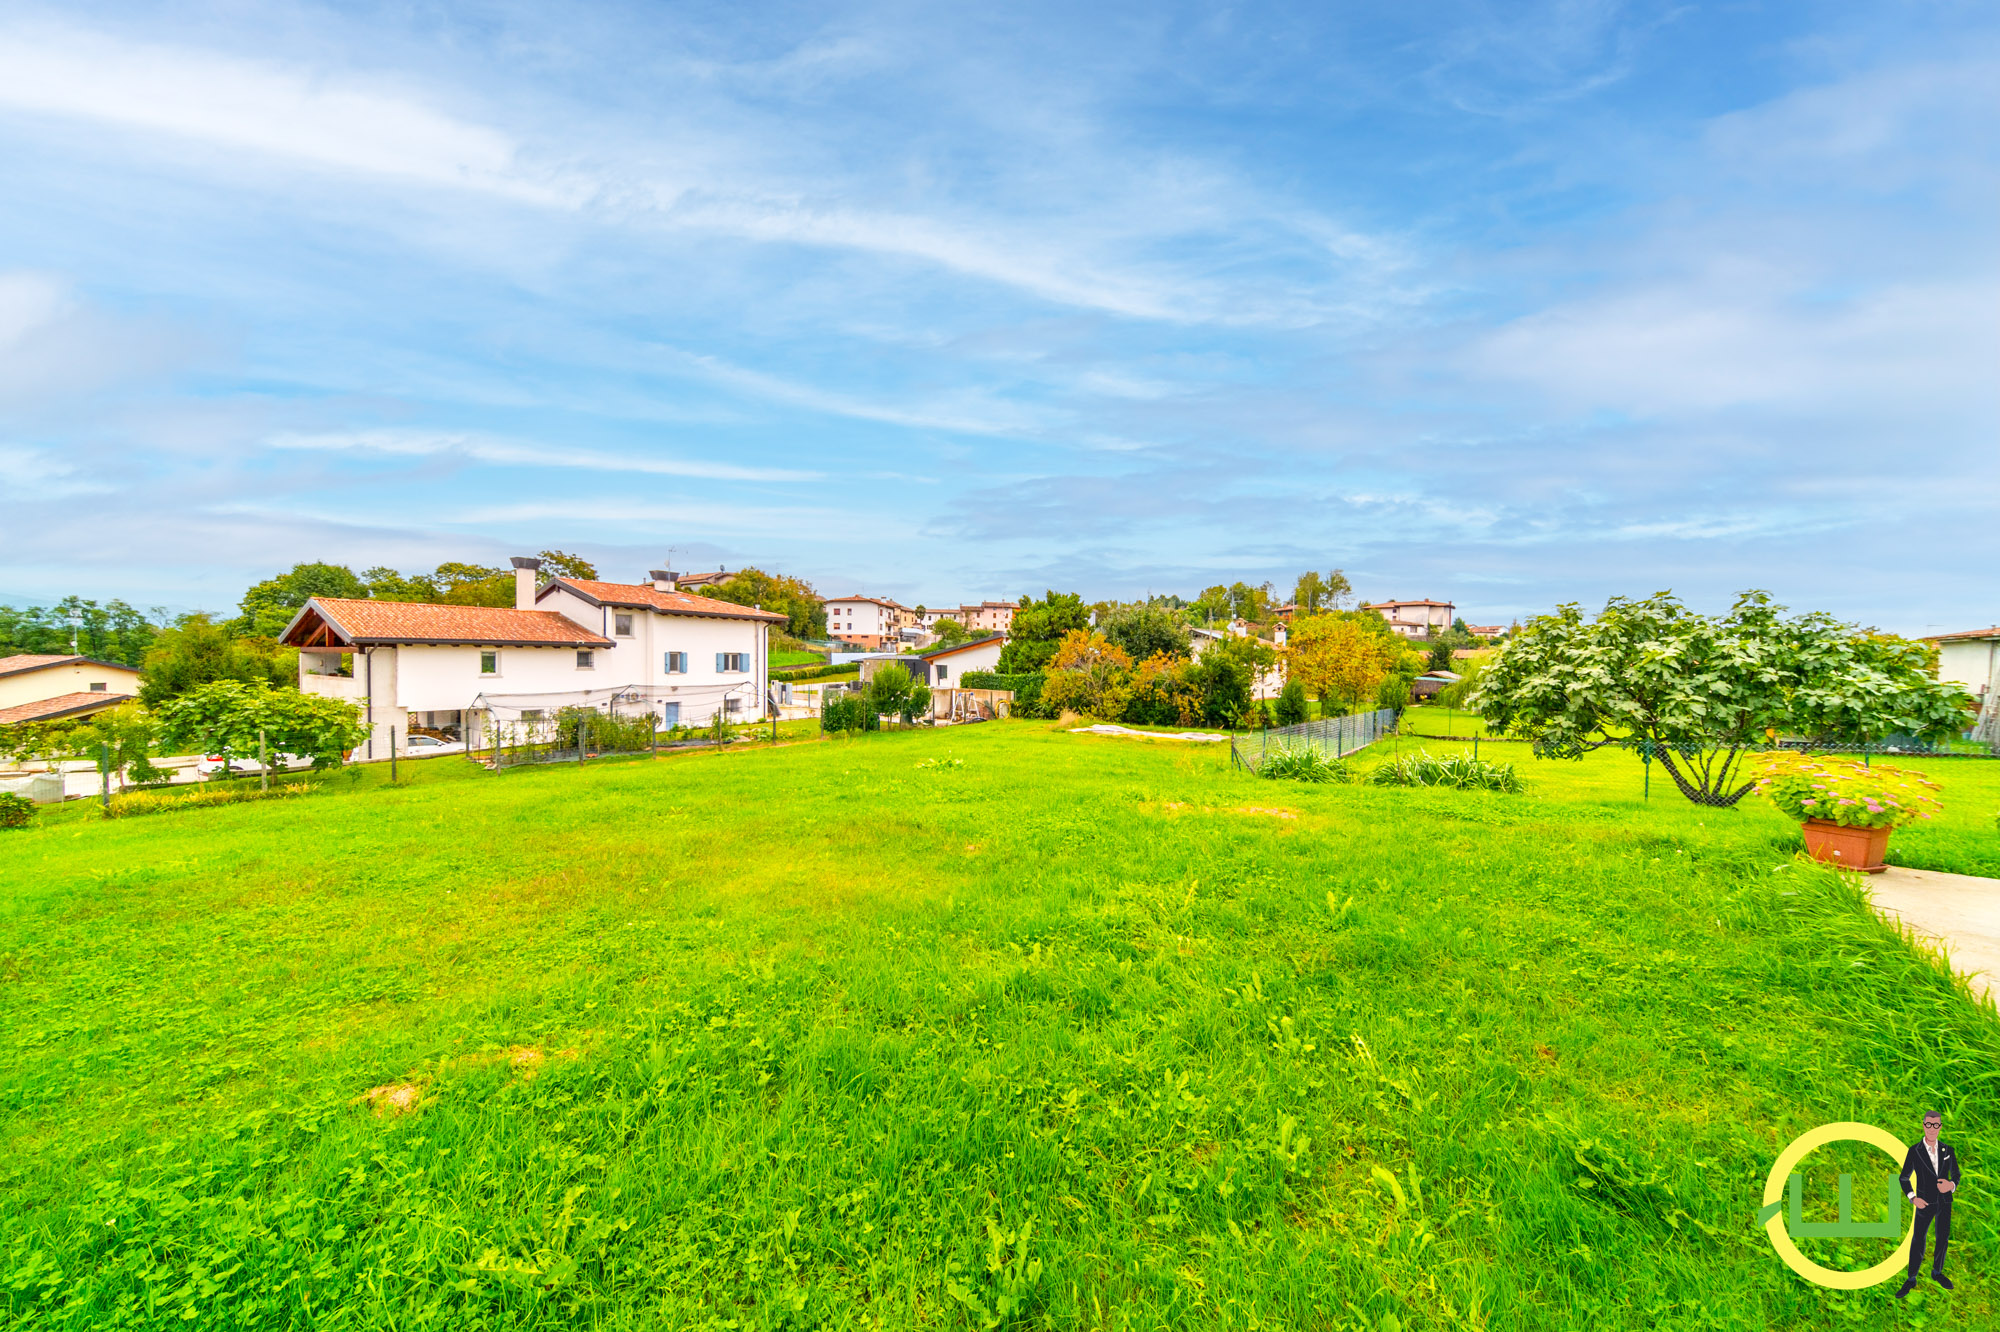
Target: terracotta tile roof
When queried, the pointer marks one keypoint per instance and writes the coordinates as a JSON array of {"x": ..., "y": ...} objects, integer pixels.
[
  {"x": 368, "y": 623},
  {"x": 1994, "y": 632},
  {"x": 1391, "y": 605},
  {"x": 651, "y": 598},
  {"x": 62, "y": 705},
  {"x": 31, "y": 661}
]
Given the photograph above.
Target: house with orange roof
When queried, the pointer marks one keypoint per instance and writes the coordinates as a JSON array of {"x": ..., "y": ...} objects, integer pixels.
[
  {"x": 37, "y": 687},
  {"x": 1414, "y": 619},
  {"x": 682, "y": 656}
]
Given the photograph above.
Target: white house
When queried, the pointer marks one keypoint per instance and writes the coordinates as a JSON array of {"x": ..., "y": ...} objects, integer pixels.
[
  {"x": 1970, "y": 659},
  {"x": 1414, "y": 619},
  {"x": 943, "y": 668},
  {"x": 873, "y": 622},
  {"x": 696, "y": 653},
  {"x": 685, "y": 657},
  {"x": 47, "y": 686}
]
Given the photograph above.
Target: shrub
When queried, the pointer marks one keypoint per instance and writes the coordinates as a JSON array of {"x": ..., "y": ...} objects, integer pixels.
[
  {"x": 1026, "y": 686},
  {"x": 849, "y": 712},
  {"x": 1842, "y": 791},
  {"x": 15, "y": 811},
  {"x": 1292, "y": 704},
  {"x": 1304, "y": 763},
  {"x": 1461, "y": 772}
]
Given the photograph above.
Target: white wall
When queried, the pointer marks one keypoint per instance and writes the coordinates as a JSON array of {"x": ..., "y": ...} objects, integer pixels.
[
  {"x": 979, "y": 657},
  {"x": 642, "y": 658},
  {"x": 1968, "y": 663}
]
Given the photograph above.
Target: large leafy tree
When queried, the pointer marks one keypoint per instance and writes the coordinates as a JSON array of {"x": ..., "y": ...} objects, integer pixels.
[
  {"x": 1344, "y": 657},
  {"x": 198, "y": 651},
  {"x": 1145, "y": 629},
  {"x": 231, "y": 717},
  {"x": 1316, "y": 592},
  {"x": 794, "y": 598},
  {"x": 111, "y": 632},
  {"x": 270, "y": 605},
  {"x": 1699, "y": 692},
  {"x": 1039, "y": 626}
]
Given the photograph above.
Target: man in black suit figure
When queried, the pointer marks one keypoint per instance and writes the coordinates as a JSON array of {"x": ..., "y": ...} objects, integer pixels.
[{"x": 1929, "y": 1178}]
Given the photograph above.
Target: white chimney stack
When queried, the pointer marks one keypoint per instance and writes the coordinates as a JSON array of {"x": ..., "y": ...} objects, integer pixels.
[
  {"x": 663, "y": 579},
  {"x": 525, "y": 567}
]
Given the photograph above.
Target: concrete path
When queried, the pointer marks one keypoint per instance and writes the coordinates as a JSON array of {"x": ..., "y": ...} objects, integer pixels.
[{"x": 1960, "y": 913}]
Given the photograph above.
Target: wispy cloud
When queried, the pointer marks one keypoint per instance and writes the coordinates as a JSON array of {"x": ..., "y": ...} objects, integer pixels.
[{"x": 406, "y": 443}]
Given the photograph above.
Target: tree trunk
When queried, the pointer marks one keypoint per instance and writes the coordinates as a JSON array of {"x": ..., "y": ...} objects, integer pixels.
[{"x": 1704, "y": 782}]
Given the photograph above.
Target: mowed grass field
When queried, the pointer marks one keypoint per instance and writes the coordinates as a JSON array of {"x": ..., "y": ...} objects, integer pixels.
[{"x": 990, "y": 1026}]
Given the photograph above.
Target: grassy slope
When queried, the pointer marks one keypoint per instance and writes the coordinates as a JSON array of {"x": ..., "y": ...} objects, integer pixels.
[{"x": 839, "y": 1021}]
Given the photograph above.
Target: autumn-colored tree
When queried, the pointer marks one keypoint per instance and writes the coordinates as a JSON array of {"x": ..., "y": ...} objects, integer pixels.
[
  {"x": 1337, "y": 657},
  {"x": 1087, "y": 674}
]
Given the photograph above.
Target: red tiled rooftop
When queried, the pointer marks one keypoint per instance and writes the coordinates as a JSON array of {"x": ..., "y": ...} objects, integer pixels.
[
  {"x": 373, "y": 622},
  {"x": 1994, "y": 632},
  {"x": 650, "y": 597},
  {"x": 62, "y": 705}
]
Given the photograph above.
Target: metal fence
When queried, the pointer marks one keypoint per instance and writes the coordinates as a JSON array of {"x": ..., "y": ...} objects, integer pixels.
[
  {"x": 513, "y": 730},
  {"x": 1335, "y": 737}
]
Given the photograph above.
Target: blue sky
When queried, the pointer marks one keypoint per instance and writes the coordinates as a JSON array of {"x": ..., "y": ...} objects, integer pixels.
[{"x": 1511, "y": 304}]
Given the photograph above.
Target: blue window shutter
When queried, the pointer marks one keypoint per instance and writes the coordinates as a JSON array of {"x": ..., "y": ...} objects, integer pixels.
[{"x": 719, "y": 667}]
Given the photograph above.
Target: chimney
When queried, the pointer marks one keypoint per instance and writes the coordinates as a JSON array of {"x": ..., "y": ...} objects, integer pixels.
[
  {"x": 524, "y": 581},
  {"x": 663, "y": 579}
]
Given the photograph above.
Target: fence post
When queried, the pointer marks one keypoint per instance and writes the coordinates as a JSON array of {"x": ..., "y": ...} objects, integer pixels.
[
  {"x": 264, "y": 762},
  {"x": 104, "y": 772},
  {"x": 392, "y": 756}
]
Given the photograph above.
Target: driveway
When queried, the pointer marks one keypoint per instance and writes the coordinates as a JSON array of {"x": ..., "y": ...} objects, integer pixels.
[{"x": 1960, "y": 913}]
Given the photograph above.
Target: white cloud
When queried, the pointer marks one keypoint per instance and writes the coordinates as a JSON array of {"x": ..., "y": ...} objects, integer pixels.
[
  {"x": 378, "y": 127},
  {"x": 28, "y": 302},
  {"x": 508, "y": 453},
  {"x": 285, "y": 111},
  {"x": 969, "y": 413}
]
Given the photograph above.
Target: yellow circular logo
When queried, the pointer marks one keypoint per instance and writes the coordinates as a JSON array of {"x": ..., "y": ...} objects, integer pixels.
[{"x": 1774, "y": 1219}]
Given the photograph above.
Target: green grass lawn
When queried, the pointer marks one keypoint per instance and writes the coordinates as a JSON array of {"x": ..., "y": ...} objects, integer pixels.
[
  {"x": 796, "y": 657},
  {"x": 1071, "y": 1032}
]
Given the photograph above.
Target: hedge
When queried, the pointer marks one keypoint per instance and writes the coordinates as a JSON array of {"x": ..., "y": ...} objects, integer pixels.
[{"x": 795, "y": 675}]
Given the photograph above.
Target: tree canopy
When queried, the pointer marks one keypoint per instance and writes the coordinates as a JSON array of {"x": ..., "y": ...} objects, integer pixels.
[
  {"x": 1037, "y": 629},
  {"x": 1144, "y": 629},
  {"x": 111, "y": 632},
  {"x": 1314, "y": 592},
  {"x": 1699, "y": 691},
  {"x": 794, "y": 598},
  {"x": 1343, "y": 657},
  {"x": 228, "y": 717},
  {"x": 198, "y": 651}
]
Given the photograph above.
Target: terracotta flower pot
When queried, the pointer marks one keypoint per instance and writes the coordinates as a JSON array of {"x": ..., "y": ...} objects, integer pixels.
[{"x": 1850, "y": 848}]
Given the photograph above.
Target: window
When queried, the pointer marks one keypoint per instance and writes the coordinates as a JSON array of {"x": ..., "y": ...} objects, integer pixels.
[
  {"x": 943, "y": 671},
  {"x": 732, "y": 705},
  {"x": 489, "y": 663},
  {"x": 586, "y": 660},
  {"x": 531, "y": 714},
  {"x": 677, "y": 663},
  {"x": 99, "y": 687},
  {"x": 727, "y": 662},
  {"x": 621, "y": 626},
  {"x": 670, "y": 714}
]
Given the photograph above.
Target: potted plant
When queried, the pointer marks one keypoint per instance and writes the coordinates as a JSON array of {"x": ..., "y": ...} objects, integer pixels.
[{"x": 1846, "y": 809}]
